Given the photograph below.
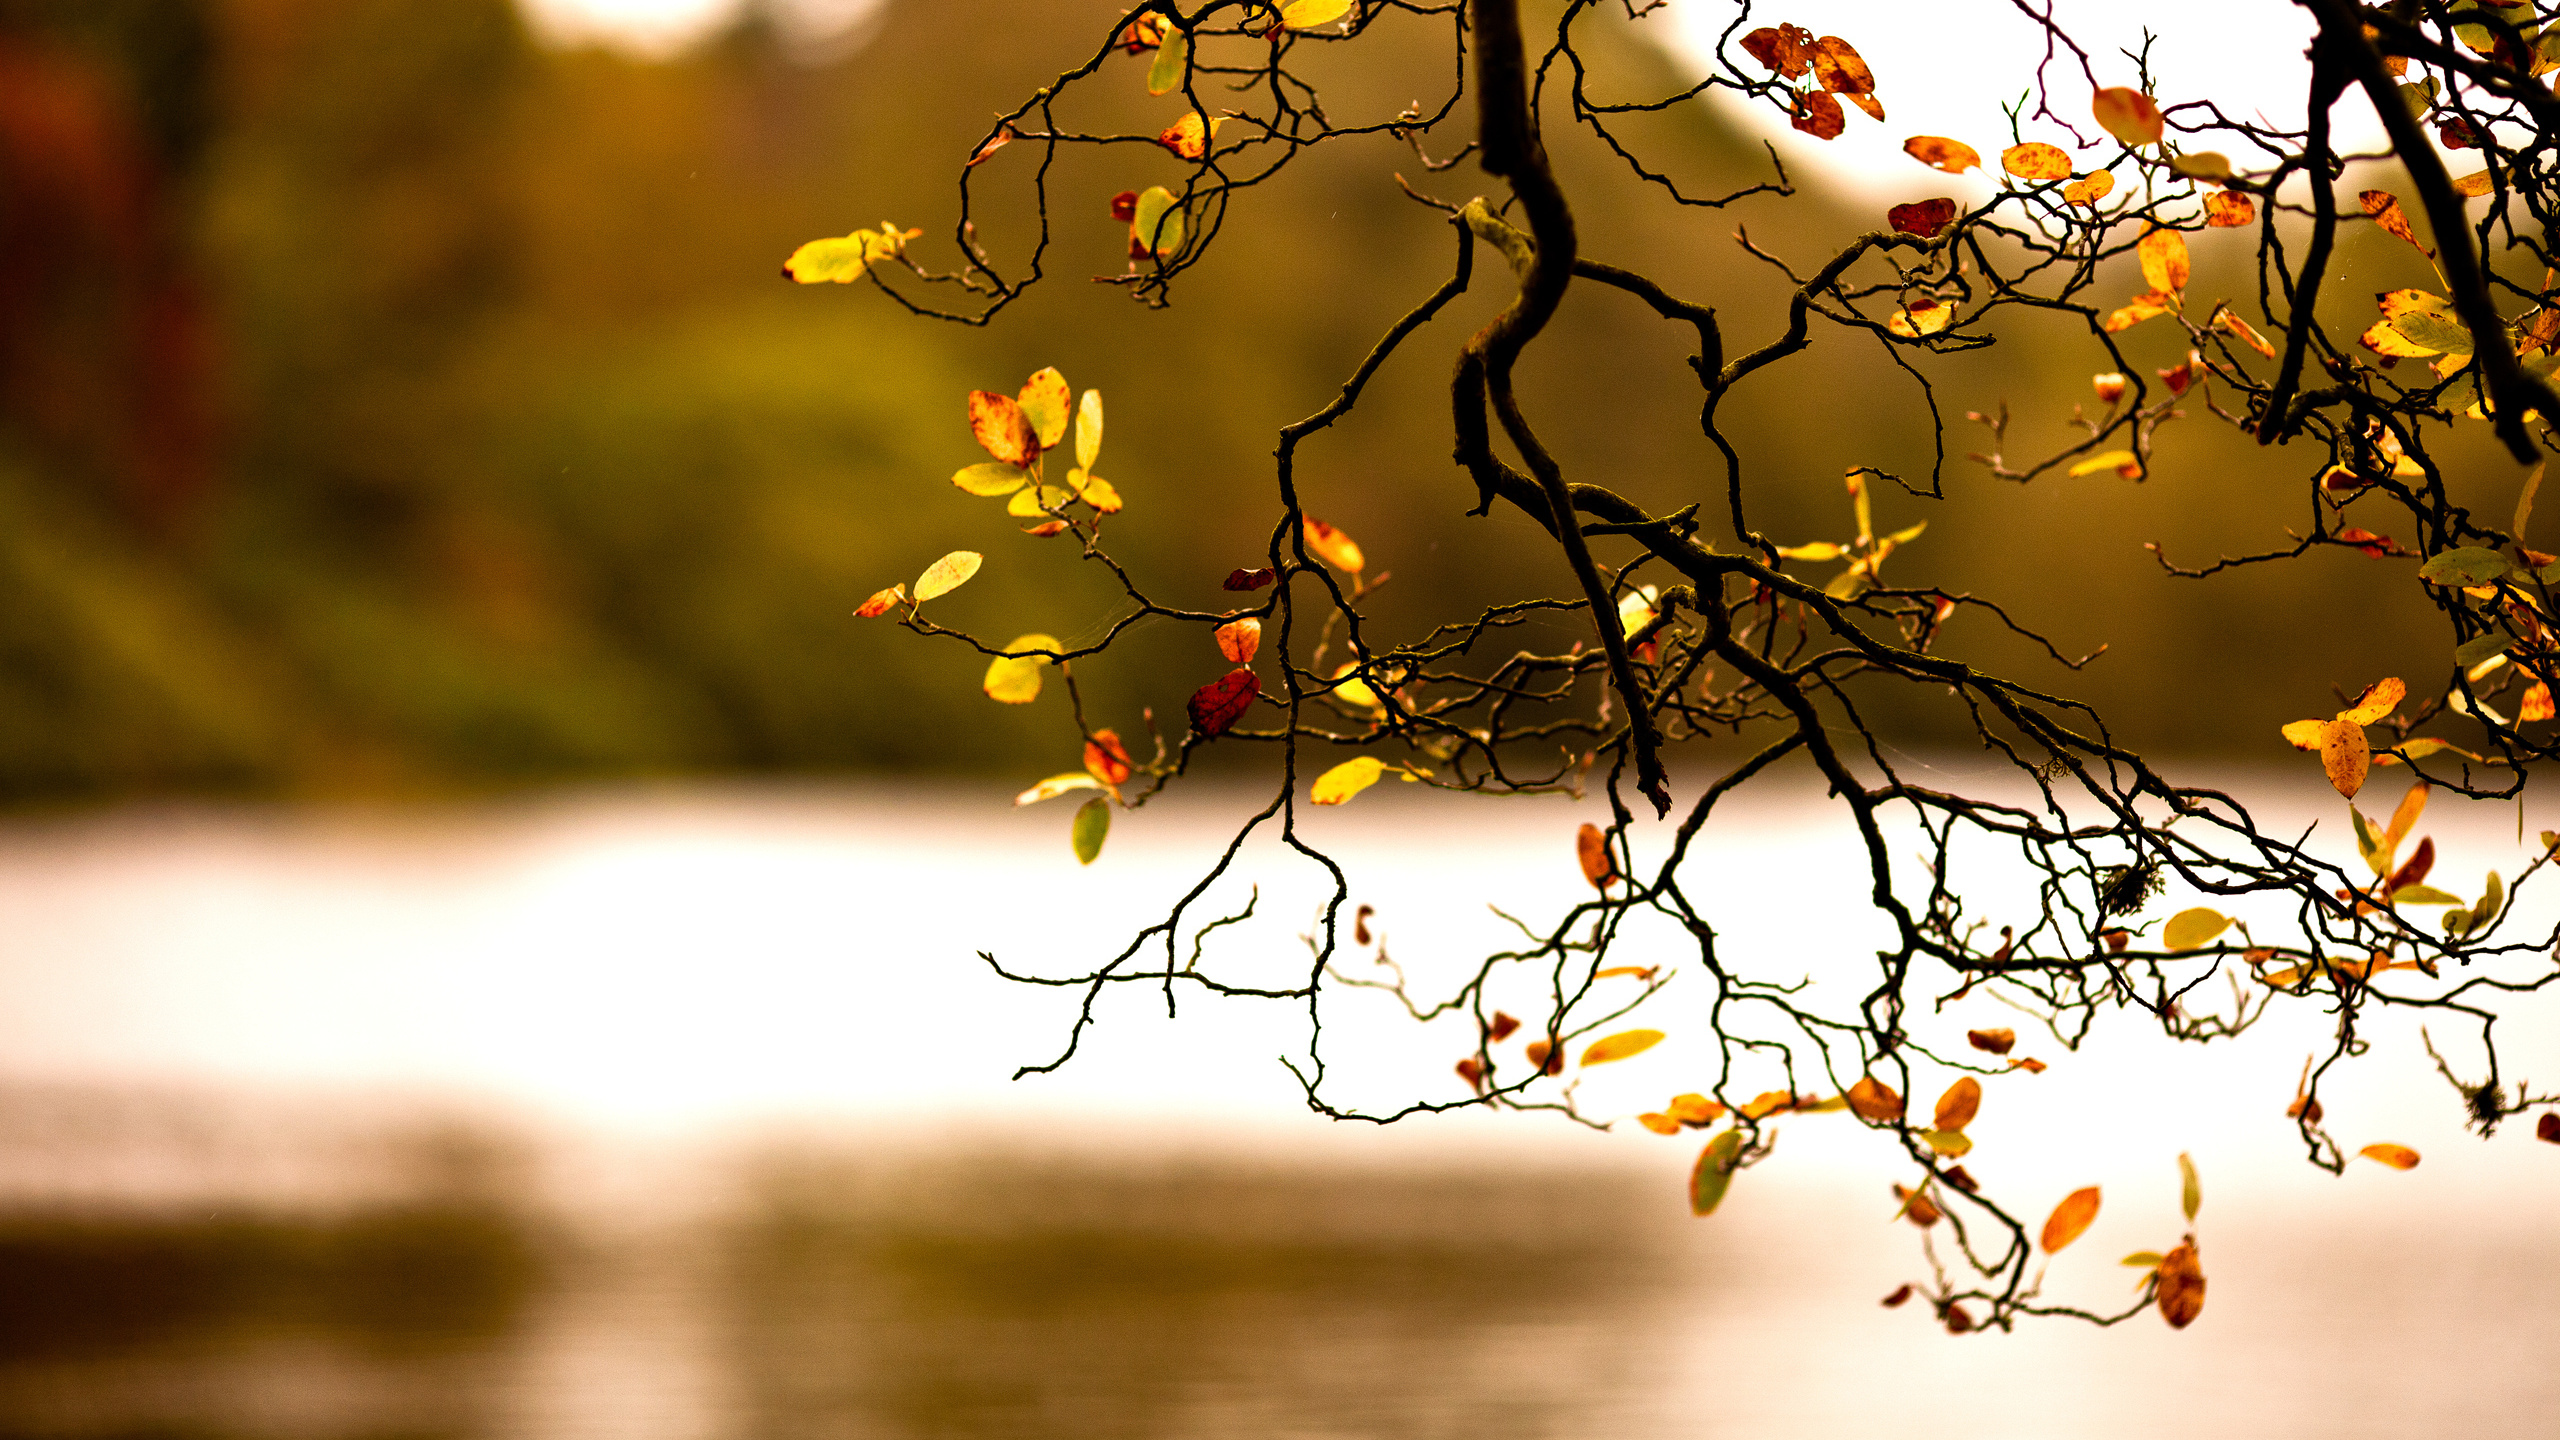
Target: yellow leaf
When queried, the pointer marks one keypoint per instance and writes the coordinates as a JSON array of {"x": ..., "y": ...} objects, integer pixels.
[
  {"x": 1953, "y": 1144},
  {"x": 2190, "y": 1189},
  {"x": 1044, "y": 404},
  {"x": 1927, "y": 317},
  {"x": 1092, "y": 825},
  {"x": 1347, "y": 779},
  {"x": 1038, "y": 500},
  {"x": 1088, "y": 429},
  {"x": 1960, "y": 1104},
  {"x": 1620, "y": 1046},
  {"x": 1055, "y": 786},
  {"x": 1814, "y": 550},
  {"x": 2345, "y": 757},
  {"x": 2398, "y": 1157},
  {"x": 1940, "y": 153},
  {"x": 2384, "y": 338},
  {"x": 991, "y": 478},
  {"x": 2231, "y": 324},
  {"x": 1308, "y": 14},
  {"x": 1095, "y": 491},
  {"x": 2069, "y": 1219},
  {"x": 2090, "y": 189},
  {"x": 2164, "y": 261},
  {"x": 2305, "y": 734},
  {"x": 2036, "y": 160},
  {"x": 947, "y": 574},
  {"x": 2123, "y": 462},
  {"x": 2127, "y": 114},
  {"x": 2378, "y": 700},
  {"x": 1659, "y": 1124},
  {"x": 1333, "y": 547},
  {"x": 2202, "y": 165},
  {"x": 2475, "y": 184},
  {"x": 1013, "y": 678},
  {"x": 1694, "y": 1109},
  {"x": 1173, "y": 56},
  {"x": 2142, "y": 307},
  {"x": 2192, "y": 929}
]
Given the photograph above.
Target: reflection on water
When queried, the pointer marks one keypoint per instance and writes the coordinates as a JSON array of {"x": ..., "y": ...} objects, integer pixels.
[{"x": 894, "y": 1298}]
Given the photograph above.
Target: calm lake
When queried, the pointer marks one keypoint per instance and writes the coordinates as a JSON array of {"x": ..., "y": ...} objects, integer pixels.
[{"x": 685, "y": 1115}]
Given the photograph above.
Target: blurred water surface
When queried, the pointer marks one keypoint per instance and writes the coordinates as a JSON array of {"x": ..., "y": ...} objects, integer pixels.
[{"x": 684, "y": 1114}]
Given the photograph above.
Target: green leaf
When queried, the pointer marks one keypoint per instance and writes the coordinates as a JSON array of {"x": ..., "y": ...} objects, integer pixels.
[
  {"x": 2468, "y": 566},
  {"x": 2377, "y": 851},
  {"x": 1013, "y": 678},
  {"x": 1089, "y": 430},
  {"x": 2420, "y": 96},
  {"x": 2434, "y": 332},
  {"x": 1172, "y": 58},
  {"x": 1093, "y": 823},
  {"x": 2423, "y": 895},
  {"x": 2191, "y": 1190},
  {"x": 1158, "y": 224},
  {"x": 2193, "y": 929},
  {"x": 1714, "y": 1172},
  {"x": 2471, "y": 652},
  {"x": 991, "y": 478},
  {"x": 2492, "y": 900},
  {"x": 1953, "y": 1144}
]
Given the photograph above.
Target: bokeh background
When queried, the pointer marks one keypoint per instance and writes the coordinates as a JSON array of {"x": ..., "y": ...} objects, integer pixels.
[{"x": 486, "y": 937}]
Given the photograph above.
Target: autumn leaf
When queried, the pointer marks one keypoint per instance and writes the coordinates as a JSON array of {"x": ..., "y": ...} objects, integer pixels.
[
  {"x": 1106, "y": 759},
  {"x": 1916, "y": 1207},
  {"x": 2475, "y": 184},
  {"x": 1871, "y": 1099},
  {"x": 1817, "y": 114},
  {"x": 1013, "y": 678},
  {"x": 990, "y": 478},
  {"x": 1900, "y": 1296},
  {"x": 2142, "y": 307},
  {"x": 1308, "y": 14},
  {"x": 1351, "y": 690},
  {"x": 1095, "y": 491},
  {"x": 2377, "y": 701},
  {"x": 2035, "y": 160},
  {"x": 1960, "y": 1104},
  {"x": 1092, "y": 825},
  {"x": 2090, "y": 189},
  {"x": 1034, "y": 500},
  {"x": 1189, "y": 136},
  {"x": 2069, "y": 1219},
  {"x": 1659, "y": 1124},
  {"x": 2398, "y": 1157},
  {"x": 2231, "y": 324},
  {"x": 1843, "y": 72},
  {"x": 2180, "y": 1287},
  {"x": 1333, "y": 547},
  {"x": 2190, "y": 1189},
  {"x": 1173, "y": 57},
  {"x": 1055, "y": 786},
  {"x": 2193, "y": 929},
  {"x": 1924, "y": 218},
  {"x": 1218, "y": 705},
  {"x": 2548, "y": 1127},
  {"x": 1591, "y": 846},
  {"x": 1620, "y": 1046},
  {"x": 1786, "y": 49},
  {"x": 1239, "y": 639},
  {"x": 2127, "y": 114},
  {"x": 881, "y": 602},
  {"x": 947, "y": 574},
  {"x": 2110, "y": 387},
  {"x": 1502, "y": 1028},
  {"x": 1996, "y": 1042},
  {"x": 994, "y": 143},
  {"x": 1089, "y": 425},
  {"x": 2164, "y": 261},
  {"x": 2384, "y": 207},
  {"x": 1694, "y": 1110},
  {"x": 2345, "y": 756},
  {"x": 1713, "y": 1174},
  {"x": 1940, "y": 153},
  {"x": 2228, "y": 209},
  {"x": 2124, "y": 462},
  {"x": 1001, "y": 429},
  {"x": 2386, "y": 339},
  {"x": 1247, "y": 579},
  {"x": 1044, "y": 403},
  {"x": 2464, "y": 567},
  {"x": 843, "y": 259},
  {"x": 1157, "y": 225},
  {"x": 1923, "y": 317}
]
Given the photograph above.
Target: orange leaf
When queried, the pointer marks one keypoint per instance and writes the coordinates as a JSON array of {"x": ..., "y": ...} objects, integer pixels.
[
  {"x": 2398, "y": 1157},
  {"x": 1997, "y": 1042},
  {"x": 1919, "y": 1209},
  {"x": 2070, "y": 1218},
  {"x": 1333, "y": 547},
  {"x": 2142, "y": 308},
  {"x": 1787, "y": 49},
  {"x": 1593, "y": 848},
  {"x": 1694, "y": 1110},
  {"x": 2035, "y": 160},
  {"x": 1924, "y": 218},
  {"x": 1502, "y": 1028},
  {"x": 1239, "y": 639},
  {"x": 1940, "y": 153},
  {"x": 2164, "y": 261},
  {"x": 2536, "y": 704},
  {"x": 2378, "y": 700},
  {"x": 1189, "y": 136},
  {"x": 1547, "y": 1056},
  {"x": 2345, "y": 756},
  {"x": 1872, "y": 1099},
  {"x": 1002, "y": 429},
  {"x": 2384, "y": 207},
  {"x": 2180, "y": 1287},
  {"x": 1641, "y": 972},
  {"x": 1843, "y": 71},
  {"x": 1218, "y": 705},
  {"x": 1958, "y": 1106},
  {"x": 2233, "y": 325},
  {"x": 1621, "y": 1046},
  {"x": 2090, "y": 190},
  {"x": 2229, "y": 208},
  {"x": 1106, "y": 759},
  {"x": 1818, "y": 115},
  {"x": 2127, "y": 114},
  {"x": 881, "y": 601},
  {"x": 1659, "y": 1124}
]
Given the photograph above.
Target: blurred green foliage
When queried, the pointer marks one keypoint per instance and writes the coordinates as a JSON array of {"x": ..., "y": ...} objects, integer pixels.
[{"x": 525, "y": 465}]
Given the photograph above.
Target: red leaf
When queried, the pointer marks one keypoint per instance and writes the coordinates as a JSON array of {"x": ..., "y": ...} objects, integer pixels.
[
  {"x": 995, "y": 142},
  {"x": 1817, "y": 114},
  {"x": 1124, "y": 206},
  {"x": 2380, "y": 547},
  {"x": 1249, "y": 579},
  {"x": 1218, "y": 705},
  {"x": 1106, "y": 759},
  {"x": 2548, "y": 1127},
  {"x": 2457, "y": 134},
  {"x": 1924, "y": 218},
  {"x": 2415, "y": 872},
  {"x": 1897, "y": 1297}
]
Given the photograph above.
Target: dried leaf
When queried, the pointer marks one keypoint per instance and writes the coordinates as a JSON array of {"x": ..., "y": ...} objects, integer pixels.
[
  {"x": 881, "y": 602},
  {"x": 2345, "y": 757},
  {"x": 1641, "y": 972},
  {"x": 1347, "y": 779},
  {"x": 1960, "y": 1104},
  {"x": 1872, "y": 1099},
  {"x": 1189, "y": 136},
  {"x": 2193, "y": 929},
  {"x": 2377, "y": 702},
  {"x": 1502, "y": 1028},
  {"x": 1787, "y": 49},
  {"x": 2232, "y": 325},
  {"x": 2536, "y": 704},
  {"x": 1591, "y": 846},
  {"x": 1817, "y": 114},
  {"x": 1044, "y": 403},
  {"x": 2069, "y": 1219},
  {"x": 1247, "y": 579},
  {"x": 2090, "y": 189},
  {"x": 1940, "y": 153},
  {"x": 2127, "y": 114},
  {"x": 2164, "y": 261},
  {"x": 998, "y": 424},
  {"x": 947, "y": 574},
  {"x": 2190, "y": 1189},
  {"x": 1218, "y": 705},
  {"x": 1333, "y": 547},
  {"x": 2035, "y": 160},
  {"x": 1713, "y": 1174},
  {"x": 2475, "y": 184},
  {"x": 2398, "y": 1157},
  {"x": 1055, "y": 786},
  {"x": 1624, "y": 1044},
  {"x": 2180, "y": 1287},
  {"x": 1238, "y": 640},
  {"x": 1996, "y": 1042},
  {"x": 2413, "y": 875},
  {"x": 2110, "y": 387},
  {"x": 1013, "y": 678},
  {"x": 1842, "y": 70},
  {"x": 1106, "y": 759},
  {"x": 2384, "y": 207},
  {"x": 2142, "y": 307},
  {"x": 2229, "y": 209},
  {"x": 1897, "y": 1298},
  {"x": 1092, "y": 825},
  {"x": 1924, "y": 218}
]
